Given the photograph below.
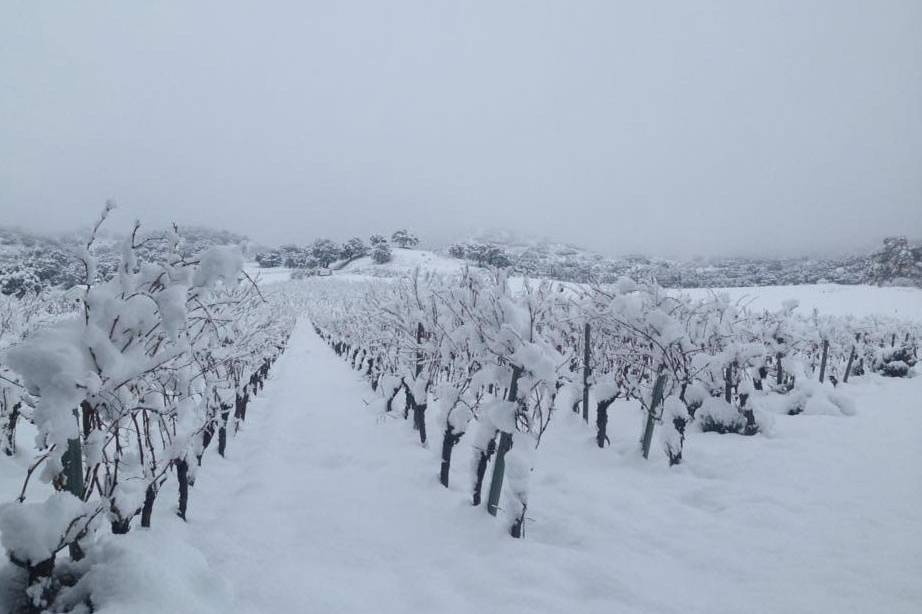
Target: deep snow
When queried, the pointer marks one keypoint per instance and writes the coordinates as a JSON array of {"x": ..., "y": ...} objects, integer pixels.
[{"x": 324, "y": 505}]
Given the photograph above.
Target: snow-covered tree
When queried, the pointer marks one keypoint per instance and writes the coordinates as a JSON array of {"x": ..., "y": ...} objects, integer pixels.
[
  {"x": 354, "y": 248},
  {"x": 897, "y": 263},
  {"x": 404, "y": 239},
  {"x": 270, "y": 259},
  {"x": 325, "y": 252},
  {"x": 380, "y": 251}
]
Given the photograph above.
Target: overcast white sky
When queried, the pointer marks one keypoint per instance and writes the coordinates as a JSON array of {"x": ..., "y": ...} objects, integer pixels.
[{"x": 668, "y": 127}]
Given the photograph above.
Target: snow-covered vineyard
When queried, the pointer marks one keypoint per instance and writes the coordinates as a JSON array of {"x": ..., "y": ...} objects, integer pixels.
[
  {"x": 183, "y": 438},
  {"x": 461, "y": 307}
]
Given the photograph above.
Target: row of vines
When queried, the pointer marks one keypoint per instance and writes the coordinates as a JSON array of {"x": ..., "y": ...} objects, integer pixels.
[
  {"x": 125, "y": 384},
  {"x": 499, "y": 358}
]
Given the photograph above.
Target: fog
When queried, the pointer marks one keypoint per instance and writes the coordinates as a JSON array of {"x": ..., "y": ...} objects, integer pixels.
[{"x": 673, "y": 128}]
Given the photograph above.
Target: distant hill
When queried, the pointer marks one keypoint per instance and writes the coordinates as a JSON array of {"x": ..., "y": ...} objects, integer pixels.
[
  {"x": 544, "y": 258},
  {"x": 32, "y": 261},
  {"x": 898, "y": 262}
]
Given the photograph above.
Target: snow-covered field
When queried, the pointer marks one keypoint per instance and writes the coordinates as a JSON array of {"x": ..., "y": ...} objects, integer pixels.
[
  {"x": 325, "y": 505},
  {"x": 267, "y": 276},
  {"x": 829, "y": 299}
]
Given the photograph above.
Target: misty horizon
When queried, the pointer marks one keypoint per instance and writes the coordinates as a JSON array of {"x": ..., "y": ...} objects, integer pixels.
[
  {"x": 120, "y": 222},
  {"x": 719, "y": 129}
]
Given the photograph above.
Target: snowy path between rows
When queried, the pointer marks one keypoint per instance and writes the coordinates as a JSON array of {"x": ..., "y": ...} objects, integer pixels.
[
  {"x": 325, "y": 515},
  {"x": 324, "y": 506}
]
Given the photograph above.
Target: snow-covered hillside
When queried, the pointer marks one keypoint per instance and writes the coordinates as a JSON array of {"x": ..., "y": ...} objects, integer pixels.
[
  {"x": 403, "y": 262},
  {"x": 545, "y": 258}
]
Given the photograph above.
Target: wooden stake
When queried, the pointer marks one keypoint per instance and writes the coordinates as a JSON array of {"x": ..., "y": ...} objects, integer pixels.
[
  {"x": 848, "y": 367},
  {"x": 823, "y": 359},
  {"x": 586, "y": 371},
  {"x": 655, "y": 401}
]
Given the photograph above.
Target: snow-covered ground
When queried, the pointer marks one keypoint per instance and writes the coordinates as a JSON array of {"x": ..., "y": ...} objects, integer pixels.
[{"x": 267, "y": 276}]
